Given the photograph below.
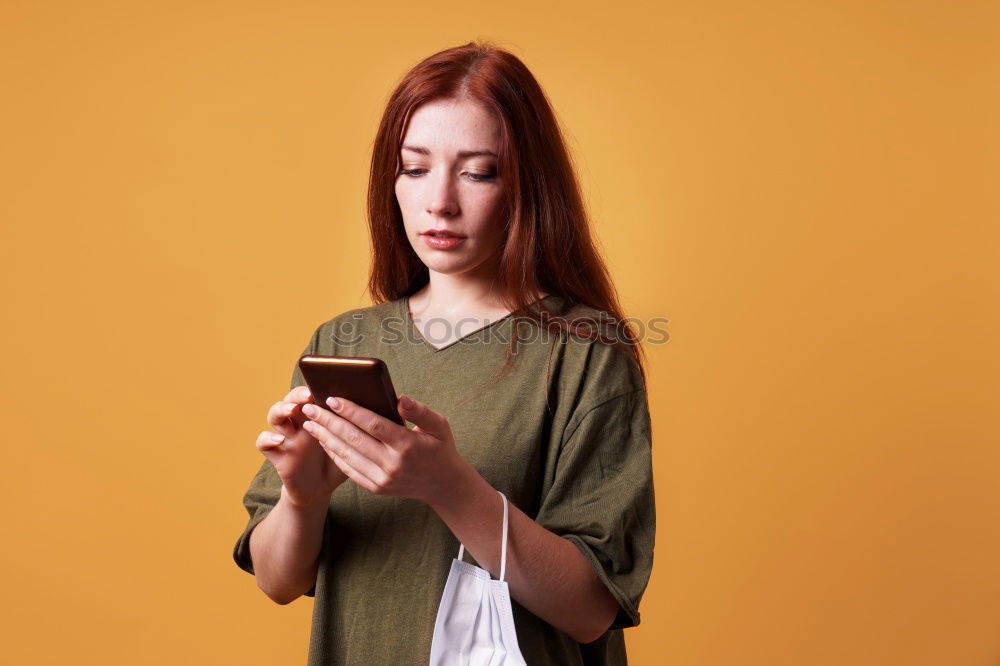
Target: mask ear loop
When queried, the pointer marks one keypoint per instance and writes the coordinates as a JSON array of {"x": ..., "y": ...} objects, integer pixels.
[
  {"x": 503, "y": 541},
  {"x": 503, "y": 547}
]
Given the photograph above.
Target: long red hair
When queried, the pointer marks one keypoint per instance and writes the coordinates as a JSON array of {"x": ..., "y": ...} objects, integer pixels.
[{"x": 549, "y": 246}]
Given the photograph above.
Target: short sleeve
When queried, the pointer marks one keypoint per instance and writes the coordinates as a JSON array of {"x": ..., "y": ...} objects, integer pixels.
[
  {"x": 265, "y": 487},
  {"x": 602, "y": 497}
]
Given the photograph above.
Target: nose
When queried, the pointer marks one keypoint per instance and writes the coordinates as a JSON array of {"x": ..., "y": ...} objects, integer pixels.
[{"x": 442, "y": 196}]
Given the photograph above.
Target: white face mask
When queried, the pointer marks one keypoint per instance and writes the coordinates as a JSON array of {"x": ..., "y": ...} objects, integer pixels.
[{"x": 475, "y": 626}]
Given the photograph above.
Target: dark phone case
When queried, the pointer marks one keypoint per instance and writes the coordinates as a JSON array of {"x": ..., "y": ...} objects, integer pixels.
[{"x": 360, "y": 379}]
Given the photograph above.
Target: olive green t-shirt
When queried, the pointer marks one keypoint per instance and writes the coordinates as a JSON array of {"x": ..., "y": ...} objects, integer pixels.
[{"x": 565, "y": 436}]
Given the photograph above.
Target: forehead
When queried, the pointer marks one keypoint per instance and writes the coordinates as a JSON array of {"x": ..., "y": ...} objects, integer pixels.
[{"x": 448, "y": 126}]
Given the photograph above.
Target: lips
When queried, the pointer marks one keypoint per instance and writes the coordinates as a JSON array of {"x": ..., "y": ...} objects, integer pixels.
[{"x": 442, "y": 233}]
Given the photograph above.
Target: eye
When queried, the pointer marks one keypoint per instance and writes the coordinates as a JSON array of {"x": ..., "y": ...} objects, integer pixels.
[
  {"x": 473, "y": 175},
  {"x": 481, "y": 177}
]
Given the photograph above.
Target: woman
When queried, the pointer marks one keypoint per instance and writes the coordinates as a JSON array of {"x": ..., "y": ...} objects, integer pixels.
[{"x": 497, "y": 339}]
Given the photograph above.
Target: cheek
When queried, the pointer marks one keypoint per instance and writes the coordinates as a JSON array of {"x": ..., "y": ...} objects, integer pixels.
[
  {"x": 403, "y": 201},
  {"x": 490, "y": 223},
  {"x": 406, "y": 198},
  {"x": 489, "y": 203}
]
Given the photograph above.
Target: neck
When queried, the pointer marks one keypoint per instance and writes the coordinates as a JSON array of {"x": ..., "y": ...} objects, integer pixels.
[{"x": 459, "y": 295}]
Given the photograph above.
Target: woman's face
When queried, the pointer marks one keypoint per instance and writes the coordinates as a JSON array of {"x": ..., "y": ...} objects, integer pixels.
[{"x": 448, "y": 181}]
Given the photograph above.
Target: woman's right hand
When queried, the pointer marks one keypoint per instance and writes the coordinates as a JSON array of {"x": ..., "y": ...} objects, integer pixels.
[{"x": 308, "y": 473}]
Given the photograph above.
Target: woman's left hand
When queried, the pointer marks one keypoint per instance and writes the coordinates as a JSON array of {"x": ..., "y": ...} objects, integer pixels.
[{"x": 385, "y": 457}]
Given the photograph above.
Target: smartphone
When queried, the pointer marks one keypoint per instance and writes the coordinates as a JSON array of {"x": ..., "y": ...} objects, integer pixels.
[{"x": 360, "y": 379}]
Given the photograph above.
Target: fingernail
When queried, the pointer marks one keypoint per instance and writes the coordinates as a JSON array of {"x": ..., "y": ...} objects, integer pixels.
[
  {"x": 309, "y": 410},
  {"x": 407, "y": 403},
  {"x": 333, "y": 402},
  {"x": 275, "y": 437}
]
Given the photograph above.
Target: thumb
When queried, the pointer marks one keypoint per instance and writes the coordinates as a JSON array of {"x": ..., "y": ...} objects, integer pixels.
[{"x": 425, "y": 418}]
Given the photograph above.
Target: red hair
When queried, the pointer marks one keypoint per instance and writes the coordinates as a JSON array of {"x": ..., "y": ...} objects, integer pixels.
[{"x": 548, "y": 245}]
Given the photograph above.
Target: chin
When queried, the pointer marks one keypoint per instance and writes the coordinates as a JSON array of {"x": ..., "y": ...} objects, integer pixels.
[{"x": 448, "y": 265}]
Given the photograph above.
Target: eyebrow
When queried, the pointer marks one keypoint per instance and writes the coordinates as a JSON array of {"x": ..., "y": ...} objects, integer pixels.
[{"x": 461, "y": 153}]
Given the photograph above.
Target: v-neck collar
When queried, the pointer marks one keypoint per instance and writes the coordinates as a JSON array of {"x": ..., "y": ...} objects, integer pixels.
[{"x": 404, "y": 306}]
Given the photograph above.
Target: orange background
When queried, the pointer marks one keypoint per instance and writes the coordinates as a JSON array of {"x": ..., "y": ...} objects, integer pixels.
[{"x": 807, "y": 190}]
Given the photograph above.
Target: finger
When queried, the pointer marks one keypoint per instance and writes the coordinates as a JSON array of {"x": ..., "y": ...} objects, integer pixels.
[
  {"x": 375, "y": 425},
  {"x": 352, "y": 435},
  {"x": 429, "y": 421},
  {"x": 353, "y": 474},
  {"x": 299, "y": 394},
  {"x": 282, "y": 413},
  {"x": 267, "y": 441},
  {"x": 352, "y": 457}
]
